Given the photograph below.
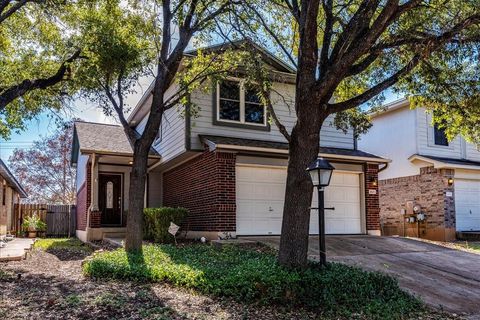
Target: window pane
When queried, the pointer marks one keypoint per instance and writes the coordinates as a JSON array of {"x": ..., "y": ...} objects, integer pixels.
[
  {"x": 440, "y": 136},
  {"x": 230, "y": 90},
  {"x": 254, "y": 113},
  {"x": 251, "y": 96},
  {"x": 229, "y": 110}
]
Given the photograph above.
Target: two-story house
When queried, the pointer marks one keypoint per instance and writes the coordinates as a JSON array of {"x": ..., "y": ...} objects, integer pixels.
[
  {"x": 225, "y": 162},
  {"x": 442, "y": 177},
  {"x": 10, "y": 194}
]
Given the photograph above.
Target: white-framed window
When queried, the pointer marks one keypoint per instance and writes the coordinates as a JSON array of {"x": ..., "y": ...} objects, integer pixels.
[{"x": 239, "y": 104}]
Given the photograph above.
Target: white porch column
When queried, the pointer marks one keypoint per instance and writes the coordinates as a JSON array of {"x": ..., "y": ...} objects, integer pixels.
[{"x": 94, "y": 179}]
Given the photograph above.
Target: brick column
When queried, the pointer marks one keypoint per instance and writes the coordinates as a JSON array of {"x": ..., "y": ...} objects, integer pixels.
[
  {"x": 372, "y": 203},
  {"x": 95, "y": 219}
]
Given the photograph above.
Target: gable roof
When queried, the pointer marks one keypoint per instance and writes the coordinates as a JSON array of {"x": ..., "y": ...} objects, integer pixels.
[
  {"x": 392, "y": 106},
  {"x": 101, "y": 138},
  {"x": 222, "y": 142},
  {"x": 11, "y": 181},
  {"x": 268, "y": 57},
  {"x": 278, "y": 64}
]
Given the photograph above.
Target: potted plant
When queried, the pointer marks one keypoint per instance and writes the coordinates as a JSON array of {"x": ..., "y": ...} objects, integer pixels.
[{"x": 33, "y": 225}]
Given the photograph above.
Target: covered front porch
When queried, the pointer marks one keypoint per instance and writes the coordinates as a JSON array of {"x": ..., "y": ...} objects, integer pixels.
[{"x": 103, "y": 179}]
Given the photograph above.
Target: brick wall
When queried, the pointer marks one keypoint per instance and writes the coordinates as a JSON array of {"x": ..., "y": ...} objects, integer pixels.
[
  {"x": 84, "y": 200},
  {"x": 428, "y": 189},
  {"x": 372, "y": 198},
  {"x": 205, "y": 186},
  {"x": 82, "y": 207}
]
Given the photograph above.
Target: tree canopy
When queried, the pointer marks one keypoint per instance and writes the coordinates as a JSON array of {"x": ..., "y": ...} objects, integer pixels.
[{"x": 37, "y": 55}]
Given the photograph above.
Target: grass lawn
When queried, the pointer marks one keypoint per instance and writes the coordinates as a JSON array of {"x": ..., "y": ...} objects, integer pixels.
[
  {"x": 254, "y": 276},
  {"x": 68, "y": 244},
  {"x": 475, "y": 246}
]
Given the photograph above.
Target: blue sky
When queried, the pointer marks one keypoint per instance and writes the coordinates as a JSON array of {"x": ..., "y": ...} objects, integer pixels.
[{"x": 44, "y": 125}]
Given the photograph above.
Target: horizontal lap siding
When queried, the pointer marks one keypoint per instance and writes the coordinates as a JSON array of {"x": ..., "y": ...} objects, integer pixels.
[
  {"x": 173, "y": 130},
  {"x": 284, "y": 109}
]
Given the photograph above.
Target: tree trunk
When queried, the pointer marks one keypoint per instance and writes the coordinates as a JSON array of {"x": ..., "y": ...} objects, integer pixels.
[
  {"x": 303, "y": 150},
  {"x": 134, "y": 234}
]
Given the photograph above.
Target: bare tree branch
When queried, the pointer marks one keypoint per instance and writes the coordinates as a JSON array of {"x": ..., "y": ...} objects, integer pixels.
[
  {"x": 375, "y": 90},
  {"x": 14, "y": 8},
  {"x": 7, "y": 95}
]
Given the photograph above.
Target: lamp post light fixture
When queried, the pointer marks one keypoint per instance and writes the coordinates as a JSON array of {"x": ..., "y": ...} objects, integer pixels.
[{"x": 321, "y": 173}]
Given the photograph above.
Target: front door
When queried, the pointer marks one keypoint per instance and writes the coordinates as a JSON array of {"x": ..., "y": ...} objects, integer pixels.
[{"x": 110, "y": 199}]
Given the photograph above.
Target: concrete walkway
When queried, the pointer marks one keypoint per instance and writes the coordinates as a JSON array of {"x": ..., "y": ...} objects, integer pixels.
[
  {"x": 16, "y": 249},
  {"x": 441, "y": 277}
]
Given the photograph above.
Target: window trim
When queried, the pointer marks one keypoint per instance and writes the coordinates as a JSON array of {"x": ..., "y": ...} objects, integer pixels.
[{"x": 233, "y": 123}]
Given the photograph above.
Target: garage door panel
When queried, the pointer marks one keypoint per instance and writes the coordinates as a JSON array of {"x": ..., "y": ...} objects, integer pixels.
[
  {"x": 467, "y": 205},
  {"x": 260, "y": 197}
]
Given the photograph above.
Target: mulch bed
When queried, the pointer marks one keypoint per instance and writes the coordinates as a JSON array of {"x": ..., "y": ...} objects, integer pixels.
[{"x": 50, "y": 285}]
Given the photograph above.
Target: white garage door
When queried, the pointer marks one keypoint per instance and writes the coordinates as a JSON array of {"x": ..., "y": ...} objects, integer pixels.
[
  {"x": 467, "y": 205},
  {"x": 261, "y": 192}
]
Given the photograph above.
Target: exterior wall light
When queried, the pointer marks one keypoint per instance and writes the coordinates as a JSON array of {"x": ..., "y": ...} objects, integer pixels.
[
  {"x": 450, "y": 182},
  {"x": 321, "y": 172}
]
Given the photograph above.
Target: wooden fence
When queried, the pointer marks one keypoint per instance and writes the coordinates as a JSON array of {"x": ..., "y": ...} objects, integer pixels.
[{"x": 60, "y": 219}]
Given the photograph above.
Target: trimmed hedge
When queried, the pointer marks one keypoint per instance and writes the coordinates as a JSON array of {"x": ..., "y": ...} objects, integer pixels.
[
  {"x": 252, "y": 276},
  {"x": 157, "y": 221}
]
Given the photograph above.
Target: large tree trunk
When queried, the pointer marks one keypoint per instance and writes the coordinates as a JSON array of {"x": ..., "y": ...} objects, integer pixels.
[
  {"x": 138, "y": 177},
  {"x": 303, "y": 150}
]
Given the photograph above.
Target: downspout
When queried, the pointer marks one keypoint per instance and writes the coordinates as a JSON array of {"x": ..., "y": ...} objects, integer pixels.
[{"x": 383, "y": 168}]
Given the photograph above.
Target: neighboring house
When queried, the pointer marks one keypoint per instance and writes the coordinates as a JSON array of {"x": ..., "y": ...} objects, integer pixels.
[
  {"x": 10, "y": 194},
  {"x": 441, "y": 176},
  {"x": 226, "y": 165}
]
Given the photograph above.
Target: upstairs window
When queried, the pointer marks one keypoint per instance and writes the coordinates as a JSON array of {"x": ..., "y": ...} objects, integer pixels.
[
  {"x": 439, "y": 136},
  {"x": 239, "y": 105}
]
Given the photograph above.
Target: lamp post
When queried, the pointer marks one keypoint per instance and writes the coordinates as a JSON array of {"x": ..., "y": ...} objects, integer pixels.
[{"x": 321, "y": 172}]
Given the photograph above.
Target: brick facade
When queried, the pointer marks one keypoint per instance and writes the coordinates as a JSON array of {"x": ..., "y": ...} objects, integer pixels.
[
  {"x": 84, "y": 200},
  {"x": 372, "y": 197},
  {"x": 82, "y": 207},
  {"x": 429, "y": 189},
  {"x": 205, "y": 186}
]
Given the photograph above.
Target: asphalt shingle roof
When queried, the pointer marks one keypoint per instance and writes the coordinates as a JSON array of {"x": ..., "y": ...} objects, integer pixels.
[
  {"x": 103, "y": 138},
  {"x": 284, "y": 146},
  {"x": 463, "y": 162},
  {"x": 11, "y": 181}
]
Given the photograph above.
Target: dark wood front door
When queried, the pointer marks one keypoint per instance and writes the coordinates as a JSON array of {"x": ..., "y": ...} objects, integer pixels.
[{"x": 110, "y": 199}]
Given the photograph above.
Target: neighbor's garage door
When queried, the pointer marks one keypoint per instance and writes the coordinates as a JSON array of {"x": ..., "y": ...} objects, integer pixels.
[
  {"x": 260, "y": 194},
  {"x": 467, "y": 204}
]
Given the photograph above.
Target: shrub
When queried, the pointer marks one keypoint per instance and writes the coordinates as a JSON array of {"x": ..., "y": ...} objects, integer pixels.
[
  {"x": 34, "y": 223},
  {"x": 252, "y": 276},
  {"x": 157, "y": 221}
]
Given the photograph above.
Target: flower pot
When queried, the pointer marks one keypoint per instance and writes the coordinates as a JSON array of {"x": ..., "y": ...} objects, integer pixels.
[{"x": 32, "y": 234}]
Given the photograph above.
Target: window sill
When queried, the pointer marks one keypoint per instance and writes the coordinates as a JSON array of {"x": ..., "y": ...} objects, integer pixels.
[{"x": 241, "y": 125}]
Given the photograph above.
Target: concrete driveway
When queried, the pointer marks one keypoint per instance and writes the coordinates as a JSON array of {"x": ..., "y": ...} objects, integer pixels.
[{"x": 440, "y": 276}]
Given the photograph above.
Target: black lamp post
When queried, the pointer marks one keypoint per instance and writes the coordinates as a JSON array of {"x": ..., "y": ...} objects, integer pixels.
[{"x": 321, "y": 172}]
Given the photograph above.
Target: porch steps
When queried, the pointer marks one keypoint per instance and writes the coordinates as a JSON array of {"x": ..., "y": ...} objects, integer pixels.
[{"x": 468, "y": 235}]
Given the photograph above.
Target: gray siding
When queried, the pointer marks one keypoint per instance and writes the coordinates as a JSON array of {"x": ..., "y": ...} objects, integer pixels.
[
  {"x": 282, "y": 98},
  {"x": 172, "y": 142}
]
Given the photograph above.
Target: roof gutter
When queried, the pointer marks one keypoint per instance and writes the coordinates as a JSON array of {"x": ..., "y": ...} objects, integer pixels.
[
  {"x": 119, "y": 154},
  {"x": 443, "y": 165},
  {"x": 282, "y": 151}
]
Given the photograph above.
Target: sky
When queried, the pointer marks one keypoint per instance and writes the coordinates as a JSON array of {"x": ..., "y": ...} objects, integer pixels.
[{"x": 44, "y": 125}]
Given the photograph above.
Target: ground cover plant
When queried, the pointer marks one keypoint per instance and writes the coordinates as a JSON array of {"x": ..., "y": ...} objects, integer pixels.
[
  {"x": 62, "y": 244},
  {"x": 255, "y": 276}
]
